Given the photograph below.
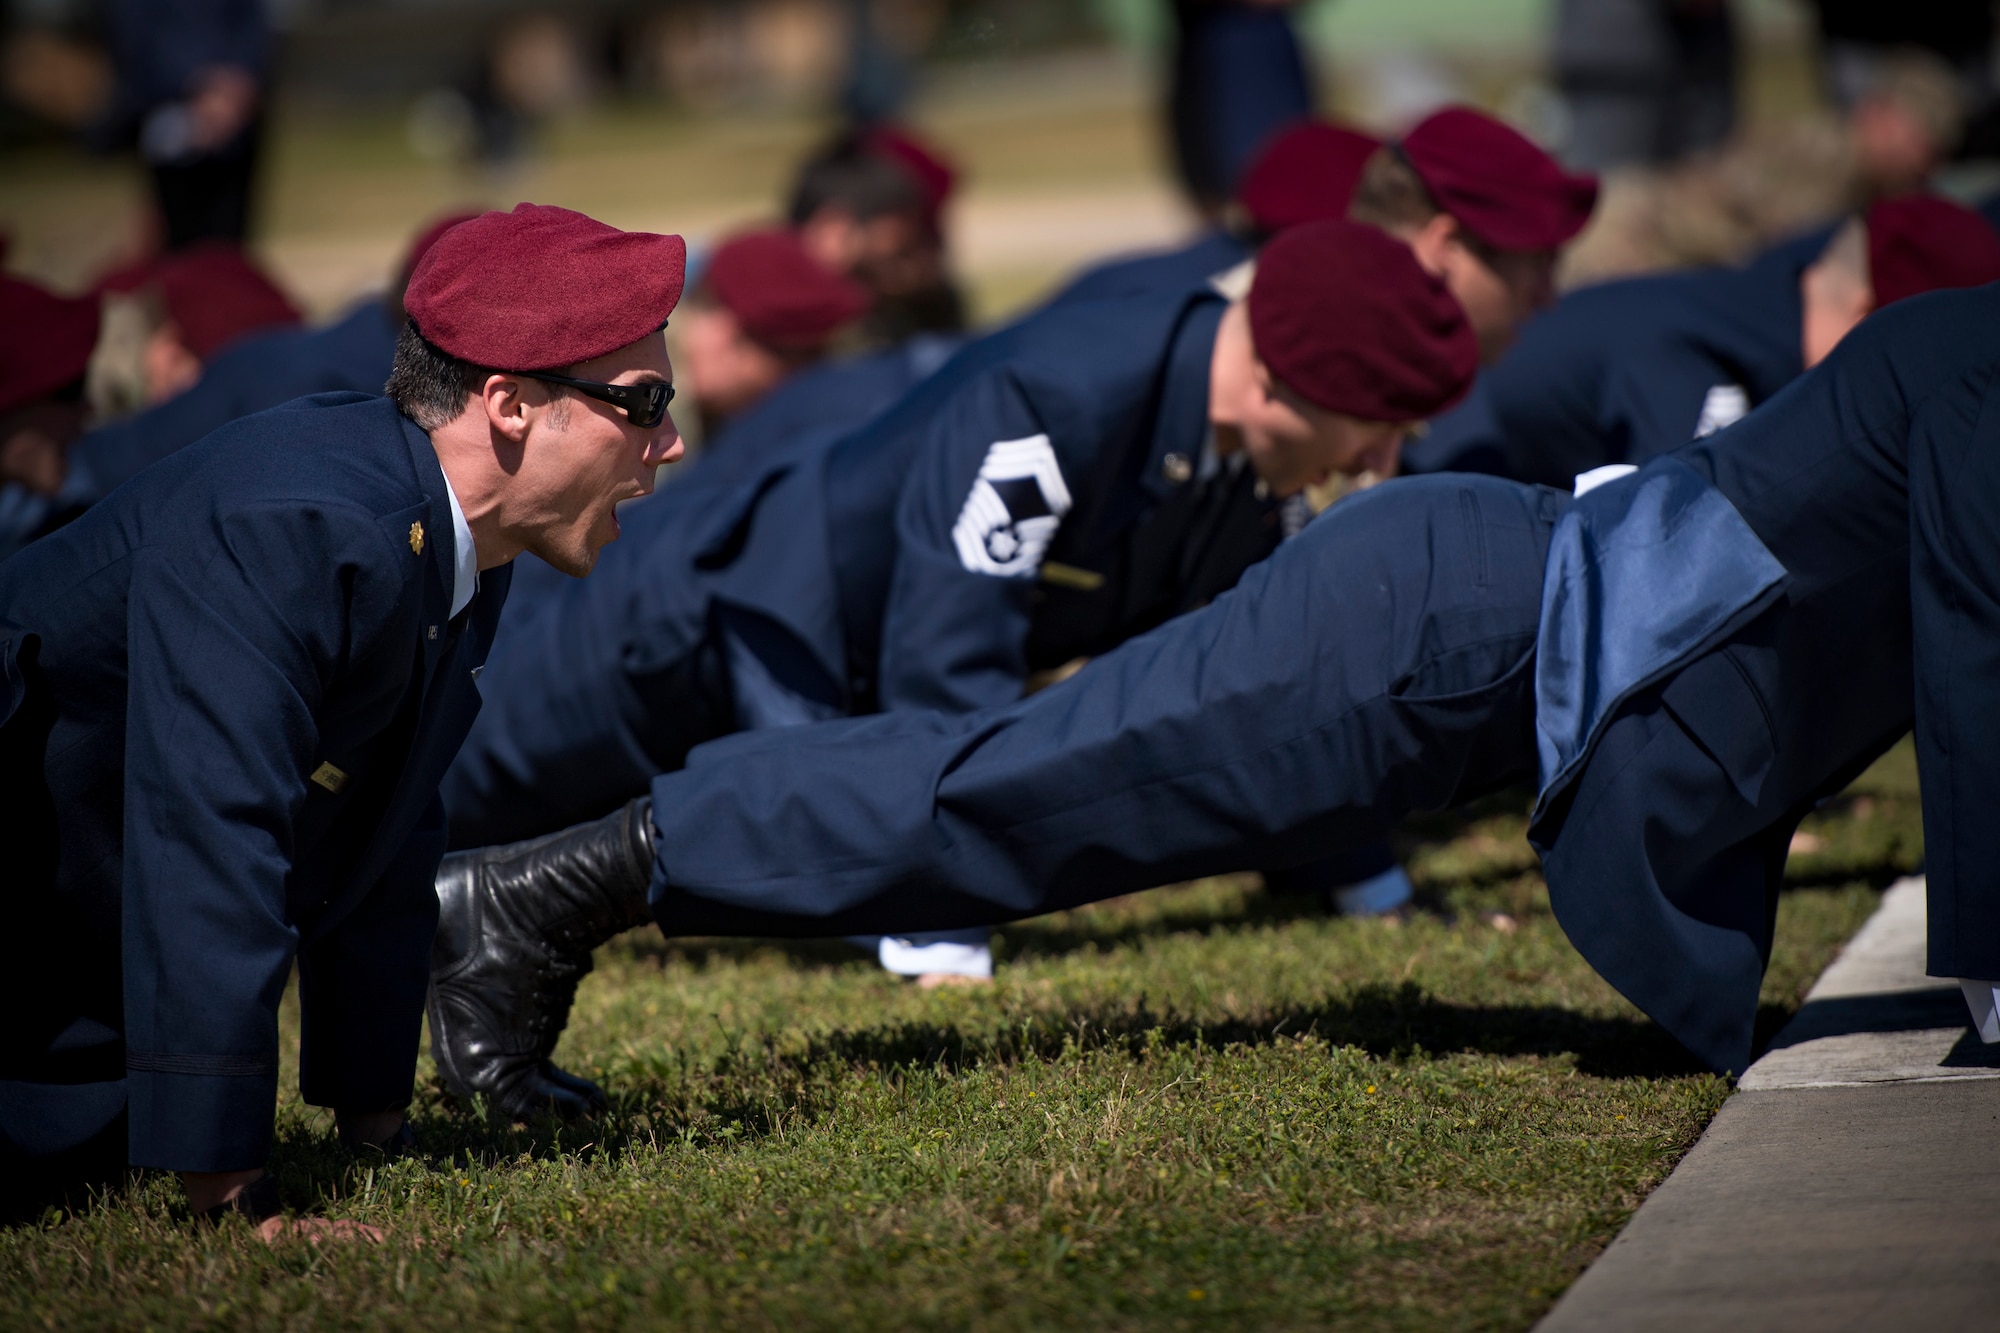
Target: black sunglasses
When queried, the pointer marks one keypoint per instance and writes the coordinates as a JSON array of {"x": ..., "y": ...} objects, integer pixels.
[{"x": 644, "y": 403}]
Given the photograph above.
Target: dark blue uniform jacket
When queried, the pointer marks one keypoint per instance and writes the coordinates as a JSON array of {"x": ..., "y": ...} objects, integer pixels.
[
  {"x": 915, "y": 562},
  {"x": 1690, "y": 657},
  {"x": 231, "y": 690},
  {"x": 799, "y": 417},
  {"x": 1189, "y": 266},
  {"x": 1627, "y": 371},
  {"x": 813, "y": 408},
  {"x": 351, "y": 355}
]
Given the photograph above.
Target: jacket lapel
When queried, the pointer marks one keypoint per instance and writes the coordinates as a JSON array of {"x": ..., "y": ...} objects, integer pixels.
[{"x": 441, "y": 668}]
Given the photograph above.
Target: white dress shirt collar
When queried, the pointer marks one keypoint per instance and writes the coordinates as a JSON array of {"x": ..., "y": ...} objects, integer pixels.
[{"x": 465, "y": 559}]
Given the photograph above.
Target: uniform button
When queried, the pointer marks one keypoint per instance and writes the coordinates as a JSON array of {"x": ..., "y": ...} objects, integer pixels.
[{"x": 1176, "y": 468}]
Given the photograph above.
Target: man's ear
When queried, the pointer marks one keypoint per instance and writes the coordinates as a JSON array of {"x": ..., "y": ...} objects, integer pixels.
[
  {"x": 832, "y": 235},
  {"x": 1433, "y": 243},
  {"x": 1261, "y": 376},
  {"x": 505, "y": 400}
]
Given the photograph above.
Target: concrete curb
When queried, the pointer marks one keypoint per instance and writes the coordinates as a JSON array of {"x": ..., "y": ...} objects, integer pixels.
[{"x": 1852, "y": 1182}]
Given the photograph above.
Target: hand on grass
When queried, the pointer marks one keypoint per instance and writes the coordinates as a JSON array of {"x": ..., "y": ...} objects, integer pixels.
[{"x": 313, "y": 1230}]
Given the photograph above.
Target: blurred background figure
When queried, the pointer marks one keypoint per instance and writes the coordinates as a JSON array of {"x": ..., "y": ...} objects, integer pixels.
[
  {"x": 762, "y": 311},
  {"x": 191, "y": 83},
  {"x": 207, "y": 319},
  {"x": 870, "y": 205},
  {"x": 1644, "y": 81},
  {"x": 46, "y": 342},
  {"x": 1904, "y": 122},
  {"x": 1304, "y": 172},
  {"x": 1858, "y": 37},
  {"x": 1238, "y": 76},
  {"x": 177, "y": 312},
  {"x": 1893, "y": 121}
]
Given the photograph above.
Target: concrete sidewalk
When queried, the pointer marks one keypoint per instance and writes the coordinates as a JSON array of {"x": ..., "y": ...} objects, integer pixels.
[{"x": 1852, "y": 1182}]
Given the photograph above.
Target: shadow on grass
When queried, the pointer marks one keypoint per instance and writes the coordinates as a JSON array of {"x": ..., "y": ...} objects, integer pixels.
[
  {"x": 755, "y": 1086},
  {"x": 1389, "y": 1022}
]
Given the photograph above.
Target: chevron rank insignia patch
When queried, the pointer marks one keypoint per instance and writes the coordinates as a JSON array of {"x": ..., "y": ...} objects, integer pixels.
[
  {"x": 1016, "y": 505},
  {"x": 1725, "y": 405}
]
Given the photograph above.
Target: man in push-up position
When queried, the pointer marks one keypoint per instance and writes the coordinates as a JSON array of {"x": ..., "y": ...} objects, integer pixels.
[{"x": 1672, "y": 653}]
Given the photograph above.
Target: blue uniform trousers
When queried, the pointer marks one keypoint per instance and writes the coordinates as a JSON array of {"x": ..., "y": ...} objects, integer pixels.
[
  {"x": 1375, "y": 666},
  {"x": 1955, "y": 595}
]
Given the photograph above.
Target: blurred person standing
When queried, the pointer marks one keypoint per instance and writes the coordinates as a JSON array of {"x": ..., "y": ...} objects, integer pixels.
[
  {"x": 228, "y": 692},
  {"x": 1644, "y": 82},
  {"x": 870, "y": 205},
  {"x": 1774, "y": 181},
  {"x": 1856, "y": 37},
  {"x": 1238, "y": 76},
  {"x": 192, "y": 82},
  {"x": 1905, "y": 119}
]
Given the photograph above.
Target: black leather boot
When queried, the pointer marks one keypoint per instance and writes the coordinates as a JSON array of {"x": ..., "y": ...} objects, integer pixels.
[{"x": 516, "y": 926}]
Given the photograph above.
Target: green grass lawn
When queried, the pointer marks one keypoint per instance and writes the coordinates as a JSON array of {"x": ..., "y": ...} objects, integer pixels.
[{"x": 1199, "y": 1106}]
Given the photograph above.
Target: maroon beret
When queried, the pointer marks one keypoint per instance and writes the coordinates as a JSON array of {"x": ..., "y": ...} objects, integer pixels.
[
  {"x": 1345, "y": 317},
  {"x": 45, "y": 341},
  {"x": 541, "y": 287},
  {"x": 1304, "y": 172},
  {"x": 935, "y": 177},
  {"x": 1501, "y": 187},
  {"x": 215, "y": 295},
  {"x": 779, "y": 293},
  {"x": 426, "y": 238},
  {"x": 1919, "y": 243}
]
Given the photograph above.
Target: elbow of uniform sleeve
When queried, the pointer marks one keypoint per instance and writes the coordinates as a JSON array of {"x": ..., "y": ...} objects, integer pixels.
[{"x": 200, "y": 1112}]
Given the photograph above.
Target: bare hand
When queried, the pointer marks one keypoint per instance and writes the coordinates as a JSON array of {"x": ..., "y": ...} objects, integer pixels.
[
  {"x": 206, "y": 1189},
  {"x": 314, "y": 1230},
  {"x": 223, "y": 100},
  {"x": 33, "y": 445}
]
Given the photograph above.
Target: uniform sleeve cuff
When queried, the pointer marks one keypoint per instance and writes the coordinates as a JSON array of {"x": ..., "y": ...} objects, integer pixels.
[{"x": 187, "y": 1121}]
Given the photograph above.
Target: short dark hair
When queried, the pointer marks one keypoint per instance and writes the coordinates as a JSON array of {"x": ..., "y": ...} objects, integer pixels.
[
  {"x": 850, "y": 173},
  {"x": 1390, "y": 194},
  {"x": 427, "y": 383}
]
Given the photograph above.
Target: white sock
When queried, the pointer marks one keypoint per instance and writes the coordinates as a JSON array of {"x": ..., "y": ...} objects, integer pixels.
[
  {"x": 1983, "y": 998},
  {"x": 914, "y": 958},
  {"x": 1376, "y": 895}
]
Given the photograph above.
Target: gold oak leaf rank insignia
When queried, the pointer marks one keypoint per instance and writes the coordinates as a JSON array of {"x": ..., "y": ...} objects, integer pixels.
[{"x": 416, "y": 539}]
